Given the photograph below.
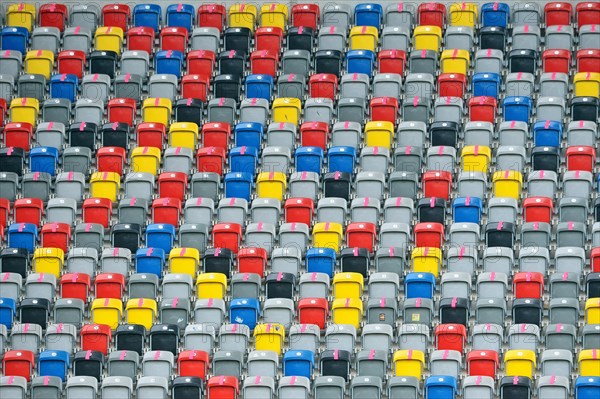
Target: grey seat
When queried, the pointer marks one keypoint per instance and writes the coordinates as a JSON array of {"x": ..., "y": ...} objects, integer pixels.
[
  {"x": 478, "y": 387},
  {"x": 314, "y": 285},
  {"x": 463, "y": 259},
  {"x": 205, "y": 38},
  {"x": 254, "y": 110},
  {"x": 32, "y": 86},
  {"x": 305, "y": 337},
  {"x": 232, "y": 211},
  {"x": 418, "y": 310},
  {"x": 421, "y": 85},
  {"x": 577, "y": 184},
  {"x": 259, "y": 387},
  {"x": 278, "y": 310},
  {"x": 588, "y": 36},
  {"x": 318, "y": 110},
  {"x": 11, "y": 286},
  {"x": 133, "y": 211},
  {"x": 340, "y": 336},
  {"x": 129, "y": 86},
  {"x": 411, "y": 134},
  {"x": 554, "y": 84},
  {"x": 590, "y": 336},
  {"x": 490, "y": 311},
  {"x": 163, "y": 85},
  {"x": 304, "y": 185},
  {"x": 511, "y": 158},
  {"x": 366, "y": 387},
  {"x": 387, "y": 85},
  {"x": 371, "y": 363},
  {"x": 339, "y": 15},
  {"x": 291, "y": 86},
  {"x": 398, "y": 210},
  {"x": 116, "y": 388},
  {"x": 346, "y": 133},
  {"x": 564, "y": 285},
  {"x": 374, "y": 159},
  {"x": 543, "y": 183},
  {"x": 46, "y": 387},
  {"x": 564, "y": 311},
  {"x": 395, "y": 38},
  {"x": 525, "y": 13},
  {"x": 488, "y": 61},
  {"x": 7, "y": 86},
  {"x": 26, "y": 337},
  {"x": 96, "y": 87},
  {"x": 514, "y": 133},
  {"x": 492, "y": 285},
  {"x": 12, "y": 63},
  {"x": 234, "y": 337},
  {"x": 174, "y": 311},
  {"x": 354, "y": 85},
  {"x": 82, "y": 260},
  {"x": 370, "y": 183},
  {"x": 445, "y": 362},
  {"x": 459, "y": 37},
  {"x": 222, "y": 110},
  {"x": 351, "y": 109},
  {"x": 123, "y": 363},
  {"x": 84, "y": 387},
  {"x": 400, "y": 15},
  {"x": 88, "y": 110},
  {"x": 84, "y": 16},
  {"x": 573, "y": 209},
  {"x": 560, "y": 37},
  {"x": 36, "y": 185},
  {"x": 210, "y": 313},
  {"x": 487, "y": 337},
  {"x": 143, "y": 285},
  {"x": 413, "y": 336},
  {"x": 526, "y": 37},
  {"x": 365, "y": 209},
  {"x": 395, "y": 235},
  {"x": 177, "y": 285},
  {"x": 558, "y": 362},
  {"x": 555, "y": 387},
  {"x": 281, "y": 135},
  {"x": 519, "y": 84},
  {"x": 296, "y": 62},
  {"x": 227, "y": 362},
  {"x": 57, "y": 110},
  {"x": 152, "y": 387},
  {"x": 581, "y": 133},
  {"x": 51, "y": 134},
  {"x": 194, "y": 235},
  {"x": 77, "y": 37},
  {"x": 523, "y": 337},
  {"x": 478, "y": 133},
  {"x": 205, "y": 184},
  {"x": 548, "y": 108},
  {"x": 535, "y": 234},
  {"x": 293, "y": 387},
  {"x": 403, "y": 388},
  {"x": 262, "y": 363},
  {"x": 416, "y": 109},
  {"x": 403, "y": 184},
  {"x": 276, "y": 159},
  {"x": 332, "y": 38},
  {"x": 286, "y": 259}
]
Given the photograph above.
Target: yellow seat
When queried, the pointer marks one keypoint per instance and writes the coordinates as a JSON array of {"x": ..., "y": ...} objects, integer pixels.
[
  {"x": 145, "y": 159},
  {"x": 21, "y": 15},
  {"x": 507, "y": 183},
  {"x": 184, "y": 261},
  {"x": 464, "y": 14},
  {"x": 455, "y": 61},
  {"x": 211, "y": 285},
  {"x": 39, "y": 62},
  {"x": 48, "y": 260},
  {"x": 109, "y": 38},
  {"x": 105, "y": 185},
  {"x": 141, "y": 311},
  {"x": 518, "y": 362},
  {"x": 586, "y": 84},
  {"x": 409, "y": 363},
  {"x": 328, "y": 235},
  {"x": 286, "y": 109},
  {"x": 274, "y": 15},
  {"x": 347, "y": 311},
  {"x": 379, "y": 134},
  {"x": 589, "y": 363},
  {"x": 242, "y": 16},
  {"x": 364, "y": 38},
  {"x": 475, "y": 158},
  {"x": 427, "y": 38},
  {"x": 348, "y": 285},
  {"x": 426, "y": 260},
  {"x": 24, "y": 110},
  {"x": 107, "y": 311},
  {"x": 157, "y": 110},
  {"x": 269, "y": 337},
  {"x": 592, "y": 311},
  {"x": 183, "y": 134},
  {"x": 271, "y": 185}
]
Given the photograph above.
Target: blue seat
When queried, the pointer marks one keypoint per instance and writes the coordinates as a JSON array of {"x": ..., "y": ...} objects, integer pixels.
[
  {"x": 244, "y": 311},
  {"x": 440, "y": 387},
  {"x": 467, "y": 210},
  {"x": 15, "y": 38},
  {"x": 341, "y": 159},
  {"x": 249, "y": 134},
  {"x": 486, "y": 84},
  {"x": 259, "y": 86},
  {"x": 243, "y": 159},
  {"x": 517, "y": 108},
  {"x": 64, "y": 86},
  {"x": 150, "y": 260},
  {"x": 43, "y": 159},
  {"x": 547, "y": 133},
  {"x": 309, "y": 159},
  {"x": 181, "y": 15},
  {"x": 360, "y": 61},
  {"x": 161, "y": 236},
  {"x": 149, "y": 15},
  {"x": 495, "y": 14},
  {"x": 368, "y": 14},
  {"x": 587, "y": 388},
  {"x": 8, "y": 311},
  {"x": 53, "y": 364},
  {"x": 321, "y": 260},
  {"x": 298, "y": 363},
  {"x": 169, "y": 62},
  {"x": 238, "y": 185},
  {"x": 22, "y": 235},
  {"x": 419, "y": 285}
]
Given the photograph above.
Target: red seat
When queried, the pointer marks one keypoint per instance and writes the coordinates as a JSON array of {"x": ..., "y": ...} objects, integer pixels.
[
  {"x": 323, "y": 85},
  {"x": 166, "y": 210},
  {"x": 429, "y": 235},
  {"x": 195, "y": 86},
  {"x": 216, "y": 134},
  {"x": 437, "y": 184},
  {"x": 140, "y": 38},
  {"x": 172, "y": 184},
  {"x": 306, "y": 15},
  {"x": 392, "y": 61},
  {"x": 269, "y": 38},
  {"x": 97, "y": 210},
  {"x": 111, "y": 159},
  {"x": 361, "y": 235},
  {"x": 452, "y": 85},
  {"x": 558, "y": 13},
  {"x": 384, "y": 109},
  {"x": 314, "y": 134},
  {"x": 556, "y": 61},
  {"x": 223, "y": 387},
  {"x": 581, "y": 158},
  {"x": 211, "y": 16},
  {"x": 433, "y": 14},
  {"x": 588, "y": 13},
  {"x": 96, "y": 337},
  {"x": 4, "y": 212},
  {"x": 252, "y": 260},
  {"x": 484, "y": 363},
  {"x": 56, "y": 235},
  {"x": 538, "y": 209},
  {"x": 264, "y": 62},
  {"x": 201, "y": 62},
  {"x": 53, "y": 15},
  {"x": 210, "y": 159},
  {"x": 151, "y": 135},
  {"x": 174, "y": 38},
  {"x": 116, "y": 15},
  {"x": 109, "y": 285},
  {"x": 122, "y": 110},
  {"x": 75, "y": 285},
  {"x": 588, "y": 60},
  {"x": 3, "y": 108},
  {"x": 192, "y": 363},
  {"x": 18, "y": 363},
  {"x": 299, "y": 210},
  {"x": 482, "y": 109},
  {"x": 18, "y": 134},
  {"x": 528, "y": 285},
  {"x": 313, "y": 311},
  {"x": 450, "y": 337},
  {"x": 29, "y": 210},
  {"x": 71, "y": 62},
  {"x": 227, "y": 235},
  {"x": 595, "y": 260}
]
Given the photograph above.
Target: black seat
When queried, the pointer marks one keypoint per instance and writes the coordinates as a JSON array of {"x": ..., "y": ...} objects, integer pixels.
[
  {"x": 335, "y": 363},
  {"x": 431, "y": 210},
  {"x": 444, "y": 134},
  {"x": 232, "y": 63},
  {"x": 527, "y": 311},
  {"x": 83, "y": 134},
  {"x": 227, "y": 86},
  {"x": 337, "y": 184},
  {"x": 12, "y": 159},
  {"x": 592, "y": 285},
  {"x": 164, "y": 337},
  {"x": 500, "y": 234},
  {"x": 355, "y": 260},
  {"x": 237, "y": 39},
  {"x": 584, "y": 109},
  {"x": 35, "y": 311},
  {"x": 126, "y": 235},
  {"x": 115, "y": 135},
  {"x": 88, "y": 363},
  {"x": 218, "y": 260},
  {"x": 492, "y": 37},
  {"x": 328, "y": 61},
  {"x": 130, "y": 337},
  {"x": 103, "y": 62},
  {"x": 14, "y": 260},
  {"x": 454, "y": 311},
  {"x": 546, "y": 158},
  {"x": 189, "y": 110},
  {"x": 280, "y": 285},
  {"x": 187, "y": 388},
  {"x": 515, "y": 388},
  {"x": 300, "y": 38},
  {"x": 522, "y": 61}
]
